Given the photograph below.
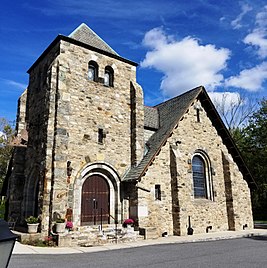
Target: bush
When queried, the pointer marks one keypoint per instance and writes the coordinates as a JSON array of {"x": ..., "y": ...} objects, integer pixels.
[{"x": 2, "y": 209}]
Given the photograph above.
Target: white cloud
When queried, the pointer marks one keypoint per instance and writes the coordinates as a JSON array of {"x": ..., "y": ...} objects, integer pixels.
[
  {"x": 185, "y": 63},
  {"x": 258, "y": 36},
  {"x": 249, "y": 79},
  {"x": 237, "y": 22},
  {"x": 2, "y": 135},
  {"x": 14, "y": 83},
  {"x": 225, "y": 99}
]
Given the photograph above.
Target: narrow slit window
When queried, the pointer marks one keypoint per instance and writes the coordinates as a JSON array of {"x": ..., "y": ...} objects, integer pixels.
[
  {"x": 100, "y": 136},
  {"x": 157, "y": 192},
  {"x": 198, "y": 116}
]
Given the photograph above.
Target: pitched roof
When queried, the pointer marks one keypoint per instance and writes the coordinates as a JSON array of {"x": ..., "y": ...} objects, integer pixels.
[
  {"x": 87, "y": 36},
  {"x": 170, "y": 113},
  {"x": 151, "y": 117},
  {"x": 83, "y": 36}
]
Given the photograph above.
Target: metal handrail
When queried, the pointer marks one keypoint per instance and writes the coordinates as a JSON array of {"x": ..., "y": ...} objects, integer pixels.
[{"x": 116, "y": 223}]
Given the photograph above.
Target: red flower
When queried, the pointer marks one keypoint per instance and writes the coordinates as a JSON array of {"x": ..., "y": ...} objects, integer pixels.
[
  {"x": 129, "y": 221},
  {"x": 69, "y": 225}
]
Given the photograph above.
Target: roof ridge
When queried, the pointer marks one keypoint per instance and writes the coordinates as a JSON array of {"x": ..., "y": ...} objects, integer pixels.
[{"x": 179, "y": 96}]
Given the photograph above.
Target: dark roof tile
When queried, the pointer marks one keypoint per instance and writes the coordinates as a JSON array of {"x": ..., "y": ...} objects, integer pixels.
[
  {"x": 151, "y": 119},
  {"x": 87, "y": 36}
]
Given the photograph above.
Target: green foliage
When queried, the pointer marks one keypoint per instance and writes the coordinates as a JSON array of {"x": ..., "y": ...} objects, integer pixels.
[
  {"x": 49, "y": 241},
  {"x": 2, "y": 209},
  {"x": 60, "y": 220},
  {"x": 6, "y": 134},
  {"x": 32, "y": 220},
  {"x": 252, "y": 142}
]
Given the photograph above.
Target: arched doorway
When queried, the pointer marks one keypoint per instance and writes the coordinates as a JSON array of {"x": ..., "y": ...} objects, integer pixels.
[{"x": 95, "y": 201}]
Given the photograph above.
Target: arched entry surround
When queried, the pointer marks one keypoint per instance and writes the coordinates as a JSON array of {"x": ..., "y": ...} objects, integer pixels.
[
  {"x": 110, "y": 175},
  {"x": 31, "y": 191}
]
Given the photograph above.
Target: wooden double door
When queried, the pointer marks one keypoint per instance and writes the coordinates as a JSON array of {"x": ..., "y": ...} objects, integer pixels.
[{"x": 95, "y": 201}]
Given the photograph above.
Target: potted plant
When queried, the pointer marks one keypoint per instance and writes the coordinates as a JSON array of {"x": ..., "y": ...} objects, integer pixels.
[
  {"x": 128, "y": 223},
  {"x": 60, "y": 225},
  {"x": 69, "y": 225},
  {"x": 32, "y": 223}
]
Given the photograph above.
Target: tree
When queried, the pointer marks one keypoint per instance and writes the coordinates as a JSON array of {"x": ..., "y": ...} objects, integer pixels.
[
  {"x": 6, "y": 133},
  {"x": 235, "y": 109},
  {"x": 252, "y": 142}
]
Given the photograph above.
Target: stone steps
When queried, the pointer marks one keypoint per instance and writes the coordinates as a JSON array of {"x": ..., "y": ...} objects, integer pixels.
[{"x": 89, "y": 236}]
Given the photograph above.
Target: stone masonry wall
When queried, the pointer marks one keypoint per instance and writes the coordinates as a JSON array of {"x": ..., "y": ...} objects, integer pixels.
[
  {"x": 84, "y": 107},
  {"x": 17, "y": 178},
  {"x": 192, "y": 136},
  {"x": 40, "y": 111},
  {"x": 21, "y": 112}
]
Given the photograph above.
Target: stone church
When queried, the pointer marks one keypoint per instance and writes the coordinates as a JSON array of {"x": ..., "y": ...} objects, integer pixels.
[{"x": 88, "y": 149}]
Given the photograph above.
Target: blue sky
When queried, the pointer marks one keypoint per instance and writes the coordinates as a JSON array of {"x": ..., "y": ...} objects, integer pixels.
[{"x": 178, "y": 44}]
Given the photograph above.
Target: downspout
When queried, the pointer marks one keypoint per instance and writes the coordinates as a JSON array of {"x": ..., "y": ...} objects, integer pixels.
[{"x": 53, "y": 152}]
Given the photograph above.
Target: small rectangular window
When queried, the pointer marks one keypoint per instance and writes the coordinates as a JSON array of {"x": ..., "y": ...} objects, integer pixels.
[
  {"x": 198, "y": 116},
  {"x": 157, "y": 192},
  {"x": 100, "y": 135}
]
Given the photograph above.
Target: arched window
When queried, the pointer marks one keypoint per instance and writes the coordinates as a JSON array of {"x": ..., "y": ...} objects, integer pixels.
[
  {"x": 202, "y": 182},
  {"x": 92, "y": 71},
  {"x": 109, "y": 76}
]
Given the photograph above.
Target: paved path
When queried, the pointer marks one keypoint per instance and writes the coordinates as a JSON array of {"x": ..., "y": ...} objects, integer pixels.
[{"x": 26, "y": 249}]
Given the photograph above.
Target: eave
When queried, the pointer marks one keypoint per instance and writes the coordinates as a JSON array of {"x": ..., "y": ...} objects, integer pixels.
[{"x": 81, "y": 44}]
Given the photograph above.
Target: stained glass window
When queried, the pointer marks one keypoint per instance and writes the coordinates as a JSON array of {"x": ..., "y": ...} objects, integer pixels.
[{"x": 199, "y": 177}]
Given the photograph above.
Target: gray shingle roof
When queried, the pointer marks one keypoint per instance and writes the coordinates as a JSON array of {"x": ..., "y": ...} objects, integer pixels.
[
  {"x": 87, "y": 36},
  {"x": 151, "y": 117},
  {"x": 170, "y": 112}
]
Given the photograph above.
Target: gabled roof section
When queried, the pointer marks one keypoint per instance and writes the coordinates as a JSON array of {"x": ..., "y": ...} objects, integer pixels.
[
  {"x": 170, "y": 113},
  {"x": 83, "y": 36},
  {"x": 87, "y": 36},
  {"x": 151, "y": 117}
]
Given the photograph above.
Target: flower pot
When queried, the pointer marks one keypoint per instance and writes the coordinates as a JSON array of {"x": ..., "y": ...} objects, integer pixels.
[
  {"x": 129, "y": 228},
  {"x": 32, "y": 228},
  {"x": 60, "y": 227}
]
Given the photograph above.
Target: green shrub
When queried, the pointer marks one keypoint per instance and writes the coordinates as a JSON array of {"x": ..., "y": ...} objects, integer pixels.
[
  {"x": 60, "y": 220},
  {"x": 32, "y": 220},
  {"x": 2, "y": 209}
]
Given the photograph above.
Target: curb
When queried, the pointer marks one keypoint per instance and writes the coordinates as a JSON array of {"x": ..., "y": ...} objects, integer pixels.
[{"x": 27, "y": 249}]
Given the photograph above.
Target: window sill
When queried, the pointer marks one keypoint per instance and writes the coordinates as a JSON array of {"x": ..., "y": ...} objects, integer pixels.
[{"x": 202, "y": 201}]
